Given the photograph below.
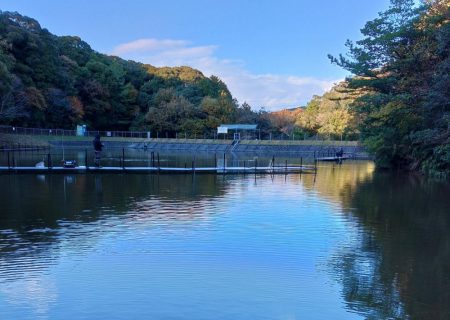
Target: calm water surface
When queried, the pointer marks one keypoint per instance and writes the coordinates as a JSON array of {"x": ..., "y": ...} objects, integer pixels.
[{"x": 346, "y": 244}]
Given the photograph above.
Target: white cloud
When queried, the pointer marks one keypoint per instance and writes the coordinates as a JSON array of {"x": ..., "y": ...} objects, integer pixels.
[
  {"x": 143, "y": 45},
  {"x": 33, "y": 290},
  {"x": 271, "y": 91}
]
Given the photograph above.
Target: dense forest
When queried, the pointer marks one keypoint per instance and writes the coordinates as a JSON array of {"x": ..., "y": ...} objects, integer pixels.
[
  {"x": 50, "y": 81},
  {"x": 403, "y": 65}
]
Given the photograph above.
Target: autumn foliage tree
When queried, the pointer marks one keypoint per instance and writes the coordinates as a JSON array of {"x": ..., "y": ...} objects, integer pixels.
[{"x": 330, "y": 115}]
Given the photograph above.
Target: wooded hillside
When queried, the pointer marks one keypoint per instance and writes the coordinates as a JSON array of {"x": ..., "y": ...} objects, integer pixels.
[{"x": 50, "y": 81}]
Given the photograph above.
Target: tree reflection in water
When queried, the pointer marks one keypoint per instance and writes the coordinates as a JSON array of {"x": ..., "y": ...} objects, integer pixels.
[
  {"x": 39, "y": 211},
  {"x": 399, "y": 266},
  {"x": 396, "y": 264}
]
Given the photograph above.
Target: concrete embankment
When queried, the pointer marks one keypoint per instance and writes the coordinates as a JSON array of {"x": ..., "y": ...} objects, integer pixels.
[
  {"x": 305, "y": 148},
  {"x": 21, "y": 142},
  {"x": 267, "y": 148}
]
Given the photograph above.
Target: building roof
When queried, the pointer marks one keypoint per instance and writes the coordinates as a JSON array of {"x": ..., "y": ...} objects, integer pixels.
[{"x": 239, "y": 126}]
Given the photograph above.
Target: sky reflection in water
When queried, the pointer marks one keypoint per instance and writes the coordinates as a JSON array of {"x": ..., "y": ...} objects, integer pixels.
[{"x": 233, "y": 247}]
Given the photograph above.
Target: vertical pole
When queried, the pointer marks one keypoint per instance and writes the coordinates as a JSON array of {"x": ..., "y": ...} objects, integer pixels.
[
  {"x": 244, "y": 167},
  {"x": 285, "y": 167},
  {"x": 224, "y": 162},
  {"x": 193, "y": 166},
  {"x": 49, "y": 160},
  {"x": 123, "y": 158},
  {"x": 273, "y": 161},
  {"x": 256, "y": 165},
  {"x": 159, "y": 164},
  {"x": 215, "y": 160},
  {"x": 86, "y": 159},
  {"x": 301, "y": 164},
  {"x": 9, "y": 164}
]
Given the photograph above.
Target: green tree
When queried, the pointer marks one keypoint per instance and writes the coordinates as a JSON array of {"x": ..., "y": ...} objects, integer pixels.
[
  {"x": 331, "y": 115},
  {"x": 403, "y": 60}
]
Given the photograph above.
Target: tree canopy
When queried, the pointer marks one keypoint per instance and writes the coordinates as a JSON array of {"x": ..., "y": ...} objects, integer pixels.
[
  {"x": 403, "y": 62},
  {"x": 330, "y": 115}
]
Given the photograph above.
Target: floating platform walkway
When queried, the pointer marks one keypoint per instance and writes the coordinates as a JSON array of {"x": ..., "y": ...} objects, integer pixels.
[
  {"x": 287, "y": 169},
  {"x": 335, "y": 158}
]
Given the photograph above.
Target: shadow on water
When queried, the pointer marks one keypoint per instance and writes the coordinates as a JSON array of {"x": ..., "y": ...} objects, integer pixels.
[{"x": 399, "y": 265}]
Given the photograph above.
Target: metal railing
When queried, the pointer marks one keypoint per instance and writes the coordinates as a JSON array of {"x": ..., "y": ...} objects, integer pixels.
[
  {"x": 211, "y": 134},
  {"x": 66, "y": 132}
]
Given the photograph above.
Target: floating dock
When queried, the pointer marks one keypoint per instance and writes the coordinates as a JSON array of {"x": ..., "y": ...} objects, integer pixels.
[
  {"x": 334, "y": 158},
  {"x": 166, "y": 170}
]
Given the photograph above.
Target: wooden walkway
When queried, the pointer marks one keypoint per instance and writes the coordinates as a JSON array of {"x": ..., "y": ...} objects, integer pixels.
[{"x": 189, "y": 170}]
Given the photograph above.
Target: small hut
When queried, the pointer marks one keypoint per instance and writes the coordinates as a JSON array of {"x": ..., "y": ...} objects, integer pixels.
[{"x": 239, "y": 131}]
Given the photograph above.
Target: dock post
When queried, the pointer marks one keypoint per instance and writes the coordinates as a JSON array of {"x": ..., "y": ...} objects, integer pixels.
[
  {"x": 301, "y": 164},
  {"x": 215, "y": 160},
  {"x": 315, "y": 165},
  {"x": 224, "y": 162},
  {"x": 86, "y": 159},
  {"x": 49, "y": 160},
  {"x": 149, "y": 162},
  {"x": 273, "y": 162},
  {"x": 256, "y": 166},
  {"x": 159, "y": 163},
  {"x": 9, "y": 164},
  {"x": 123, "y": 158},
  {"x": 285, "y": 167}
]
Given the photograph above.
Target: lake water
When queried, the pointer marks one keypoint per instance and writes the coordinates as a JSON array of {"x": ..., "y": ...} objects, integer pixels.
[{"x": 348, "y": 243}]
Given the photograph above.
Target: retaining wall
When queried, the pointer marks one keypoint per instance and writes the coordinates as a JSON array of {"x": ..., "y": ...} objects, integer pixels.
[{"x": 307, "y": 150}]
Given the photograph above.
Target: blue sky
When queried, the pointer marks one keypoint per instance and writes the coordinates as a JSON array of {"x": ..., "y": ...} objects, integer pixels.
[{"x": 269, "y": 53}]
